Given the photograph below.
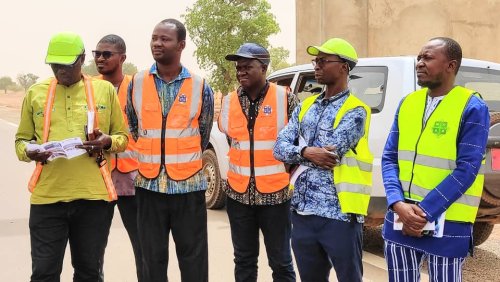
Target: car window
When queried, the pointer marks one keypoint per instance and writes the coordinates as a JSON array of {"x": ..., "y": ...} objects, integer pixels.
[
  {"x": 369, "y": 84},
  {"x": 484, "y": 81},
  {"x": 307, "y": 86},
  {"x": 285, "y": 80}
]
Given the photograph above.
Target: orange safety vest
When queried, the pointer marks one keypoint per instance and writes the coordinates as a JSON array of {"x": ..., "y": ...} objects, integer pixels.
[
  {"x": 103, "y": 168},
  {"x": 270, "y": 174},
  {"x": 125, "y": 161},
  {"x": 174, "y": 141}
]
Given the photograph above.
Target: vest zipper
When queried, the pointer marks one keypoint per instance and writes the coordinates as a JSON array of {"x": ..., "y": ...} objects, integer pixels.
[
  {"x": 424, "y": 124},
  {"x": 163, "y": 126}
]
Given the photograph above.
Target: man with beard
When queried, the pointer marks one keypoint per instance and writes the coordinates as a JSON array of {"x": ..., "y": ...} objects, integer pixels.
[
  {"x": 70, "y": 197},
  {"x": 170, "y": 112},
  {"x": 431, "y": 169},
  {"x": 109, "y": 56},
  {"x": 328, "y": 136},
  {"x": 257, "y": 184}
]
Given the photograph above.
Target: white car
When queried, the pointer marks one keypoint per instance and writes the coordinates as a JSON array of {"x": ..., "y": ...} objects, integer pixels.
[{"x": 381, "y": 83}]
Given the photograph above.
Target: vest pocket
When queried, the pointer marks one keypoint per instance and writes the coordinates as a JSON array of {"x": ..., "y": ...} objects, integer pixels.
[{"x": 145, "y": 153}]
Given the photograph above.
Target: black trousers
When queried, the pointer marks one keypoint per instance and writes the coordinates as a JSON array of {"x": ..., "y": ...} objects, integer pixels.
[
  {"x": 274, "y": 222},
  {"x": 84, "y": 223},
  {"x": 127, "y": 206},
  {"x": 186, "y": 216}
]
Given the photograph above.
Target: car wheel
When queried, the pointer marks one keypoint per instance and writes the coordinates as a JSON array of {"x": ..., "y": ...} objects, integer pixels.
[
  {"x": 215, "y": 197},
  {"x": 481, "y": 232}
]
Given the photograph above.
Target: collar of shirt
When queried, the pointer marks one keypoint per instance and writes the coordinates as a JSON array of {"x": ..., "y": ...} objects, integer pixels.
[
  {"x": 182, "y": 75},
  {"x": 335, "y": 97},
  {"x": 241, "y": 92}
]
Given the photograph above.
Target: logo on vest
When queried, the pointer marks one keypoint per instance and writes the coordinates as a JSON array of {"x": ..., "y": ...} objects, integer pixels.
[
  {"x": 183, "y": 98},
  {"x": 267, "y": 110},
  {"x": 440, "y": 128}
]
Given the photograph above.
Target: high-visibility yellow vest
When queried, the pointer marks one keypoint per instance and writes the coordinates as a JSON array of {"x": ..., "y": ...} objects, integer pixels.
[
  {"x": 353, "y": 175},
  {"x": 426, "y": 156}
]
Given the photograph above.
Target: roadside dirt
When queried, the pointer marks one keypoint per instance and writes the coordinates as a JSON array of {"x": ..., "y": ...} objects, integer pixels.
[{"x": 12, "y": 100}]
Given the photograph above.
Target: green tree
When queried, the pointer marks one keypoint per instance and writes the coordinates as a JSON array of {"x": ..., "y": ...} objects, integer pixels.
[
  {"x": 129, "y": 68},
  {"x": 90, "y": 68},
  {"x": 26, "y": 80},
  {"x": 219, "y": 27},
  {"x": 5, "y": 83},
  {"x": 279, "y": 55}
]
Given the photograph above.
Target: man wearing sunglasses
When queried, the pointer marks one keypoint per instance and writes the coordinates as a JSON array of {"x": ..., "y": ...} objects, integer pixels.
[
  {"x": 170, "y": 111},
  {"x": 70, "y": 197},
  {"x": 332, "y": 183},
  {"x": 109, "y": 56}
]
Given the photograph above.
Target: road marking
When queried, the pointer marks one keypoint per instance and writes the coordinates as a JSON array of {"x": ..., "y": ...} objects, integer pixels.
[{"x": 10, "y": 123}]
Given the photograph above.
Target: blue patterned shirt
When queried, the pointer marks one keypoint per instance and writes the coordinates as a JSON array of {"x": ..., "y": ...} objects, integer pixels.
[
  {"x": 167, "y": 93},
  {"x": 471, "y": 145},
  {"x": 315, "y": 193}
]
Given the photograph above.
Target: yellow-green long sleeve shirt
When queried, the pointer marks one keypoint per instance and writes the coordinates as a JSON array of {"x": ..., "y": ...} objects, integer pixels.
[{"x": 64, "y": 180}]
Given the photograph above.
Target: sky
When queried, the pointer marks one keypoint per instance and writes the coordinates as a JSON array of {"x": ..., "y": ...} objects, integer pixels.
[{"x": 27, "y": 26}]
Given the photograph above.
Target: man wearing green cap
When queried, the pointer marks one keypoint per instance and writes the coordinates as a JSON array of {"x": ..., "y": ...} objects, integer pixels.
[
  {"x": 327, "y": 136},
  {"x": 70, "y": 195}
]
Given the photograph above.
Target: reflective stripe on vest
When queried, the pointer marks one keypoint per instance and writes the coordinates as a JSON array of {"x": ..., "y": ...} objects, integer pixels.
[
  {"x": 353, "y": 175},
  {"x": 181, "y": 152},
  {"x": 89, "y": 92},
  {"x": 270, "y": 174},
  {"x": 427, "y": 156},
  {"x": 125, "y": 161}
]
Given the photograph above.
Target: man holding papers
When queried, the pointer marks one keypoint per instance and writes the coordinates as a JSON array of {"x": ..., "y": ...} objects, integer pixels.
[
  {"x": 70, "y": 197},
  {"x": 431, "y": 169}
]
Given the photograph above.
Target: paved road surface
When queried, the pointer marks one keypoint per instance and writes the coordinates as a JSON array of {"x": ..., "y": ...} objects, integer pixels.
[{"x": 15, "y": 263}]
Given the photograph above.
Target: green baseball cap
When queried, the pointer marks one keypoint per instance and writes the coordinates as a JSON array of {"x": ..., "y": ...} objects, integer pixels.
[
  {"x": 64, "y": 48},
  {"x": 336, "y": 46}
]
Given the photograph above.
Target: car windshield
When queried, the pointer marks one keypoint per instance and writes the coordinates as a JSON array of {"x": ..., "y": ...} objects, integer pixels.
[{"x": 484, "y": 81}]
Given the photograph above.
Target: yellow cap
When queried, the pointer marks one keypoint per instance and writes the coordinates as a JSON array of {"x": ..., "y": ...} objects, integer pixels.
[
  {"x": 64, "y": 48},
  {"x": 336, "y": 46}
]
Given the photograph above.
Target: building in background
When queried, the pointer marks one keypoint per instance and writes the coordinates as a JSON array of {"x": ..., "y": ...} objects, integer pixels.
[{"x": 393, "y": 28}]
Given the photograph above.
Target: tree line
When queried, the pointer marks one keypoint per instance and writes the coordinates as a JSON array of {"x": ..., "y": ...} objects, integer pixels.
[
  {"x": 25, "y": 81},
  {"x": 230, "y": 24}
]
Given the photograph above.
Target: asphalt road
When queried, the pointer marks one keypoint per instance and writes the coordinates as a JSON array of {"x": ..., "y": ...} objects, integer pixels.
[
  {"x": 119, "y": 263},
  {"x": 15, "y": 262}
]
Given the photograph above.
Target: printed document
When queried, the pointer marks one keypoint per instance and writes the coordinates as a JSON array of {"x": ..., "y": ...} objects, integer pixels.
[
  {"x": 434, "y": 229},
  {"x": 60, "y": 149}
]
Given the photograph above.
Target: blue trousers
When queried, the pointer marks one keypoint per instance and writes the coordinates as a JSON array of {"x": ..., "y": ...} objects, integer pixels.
[
  {"x": 319, "y": 242},
  {"x": 274, "y": 221},
  {"x": 404, "y": 265}
]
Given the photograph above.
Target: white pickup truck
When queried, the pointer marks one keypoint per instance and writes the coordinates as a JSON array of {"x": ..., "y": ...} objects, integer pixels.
[{"x": 381, "y": 83}]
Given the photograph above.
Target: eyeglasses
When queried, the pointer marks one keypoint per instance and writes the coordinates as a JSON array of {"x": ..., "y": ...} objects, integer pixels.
[
  {"x": 105, "y": 54},
  {"x": 322, "y": 61},
  {"x": 56, "y": 67}
]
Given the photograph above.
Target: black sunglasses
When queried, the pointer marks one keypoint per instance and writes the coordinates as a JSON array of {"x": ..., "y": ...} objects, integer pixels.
[{"x": 105, "y": 54}]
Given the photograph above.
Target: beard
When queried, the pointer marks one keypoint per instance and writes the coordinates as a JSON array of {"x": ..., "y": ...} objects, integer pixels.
[{"x": 429, "y": 84}]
